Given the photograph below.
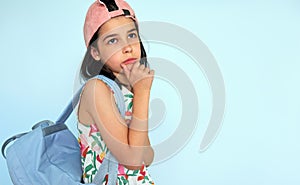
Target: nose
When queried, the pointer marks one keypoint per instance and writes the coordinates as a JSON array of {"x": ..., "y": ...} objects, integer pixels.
[{"x": 127, "y": 48}]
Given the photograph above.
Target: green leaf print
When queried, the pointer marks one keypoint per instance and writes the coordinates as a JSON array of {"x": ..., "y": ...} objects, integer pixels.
[
  {"x": 94, "y": 171},
  {"x": 128, "y": 95},
  {"x": 89, "y": 152},
  {"x": 120, "y": 182},
  {"x": 88, "y": 168},
  {"x": 125, "y": 181},
  {"x": 96, "y": 139},
  {"x": 87, "y": 176},
  {"x": 91, "y": 178},
  {"x": 134, "y": 172},
  {"x": 129, "y": 105},
  {"x": 95, "y": 160},
  {"x": 82, "y": 160}
]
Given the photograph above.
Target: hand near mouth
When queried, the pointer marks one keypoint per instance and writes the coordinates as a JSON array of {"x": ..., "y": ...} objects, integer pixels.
[{"x": 139, "y": 77}]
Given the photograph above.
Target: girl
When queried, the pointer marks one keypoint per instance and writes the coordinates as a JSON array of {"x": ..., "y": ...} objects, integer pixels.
[{"x": 114, "y": 50}]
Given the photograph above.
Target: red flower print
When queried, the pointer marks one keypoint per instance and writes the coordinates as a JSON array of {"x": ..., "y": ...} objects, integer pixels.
[
  {"x": 83, "y": 153},
  {"x": 122, "y": 172},
  {"x": 142, "y": 171},
  {"x": 100, "y": 157},
  {"x": 106, "y": 179},
  {"x": 93, "y": 129},
  {"x": 128, "y": 113},
  {"x": 140, "y": 178}
]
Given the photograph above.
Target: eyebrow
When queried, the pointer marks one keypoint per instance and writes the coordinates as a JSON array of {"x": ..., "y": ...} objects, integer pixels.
[
  {"x": 113, "y": 35},
  {"x": 133, "y": 29}
]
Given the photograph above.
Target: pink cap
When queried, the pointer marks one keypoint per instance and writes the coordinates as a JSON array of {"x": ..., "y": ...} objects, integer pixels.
[{"x": 98, "y": 14}]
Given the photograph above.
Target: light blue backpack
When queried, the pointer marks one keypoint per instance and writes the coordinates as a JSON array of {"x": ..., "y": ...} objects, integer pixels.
[{"x": 50, "y": 153}]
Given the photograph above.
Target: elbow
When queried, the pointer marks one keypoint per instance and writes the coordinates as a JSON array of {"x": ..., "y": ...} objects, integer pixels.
[
  {"x": 133, "y": 167},
  {"x": 131, "y": 158},
  {"x": 142, "y": 159},
  {"x": 149, "y": 156},
  {"x": 133, "y": 164}
]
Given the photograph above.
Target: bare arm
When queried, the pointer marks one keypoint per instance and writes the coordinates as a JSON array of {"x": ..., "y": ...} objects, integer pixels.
[
  {"x": 150, "y": 154},
  {"x": 130, "y": 145}
]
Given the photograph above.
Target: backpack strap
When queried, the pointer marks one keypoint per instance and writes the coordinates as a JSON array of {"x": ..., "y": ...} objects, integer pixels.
[
  {"x": 109, "y": 165},
  {"x": 112, "y": 84},
  {"x": 69, "y": 109}
]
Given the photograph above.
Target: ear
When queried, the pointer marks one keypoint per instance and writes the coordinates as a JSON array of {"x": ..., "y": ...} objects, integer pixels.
[{"x": 95, "y": 53}]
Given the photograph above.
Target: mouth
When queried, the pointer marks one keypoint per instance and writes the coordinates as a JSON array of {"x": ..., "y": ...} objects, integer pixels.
[{"x": 130, "y": 61}]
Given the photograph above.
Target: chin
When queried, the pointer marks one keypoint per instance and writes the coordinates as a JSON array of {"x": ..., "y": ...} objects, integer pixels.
[{"x": 129, "y": 66}]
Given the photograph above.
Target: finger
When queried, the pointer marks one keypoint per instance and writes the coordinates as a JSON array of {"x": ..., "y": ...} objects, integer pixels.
[
  {"x": 142, "y": 67},
  {"x": 126, "y": 70},
  {"x": 147, "y": 70},
  {"x": 136, "y": 65},
  {"x": 152, "y": 72}
]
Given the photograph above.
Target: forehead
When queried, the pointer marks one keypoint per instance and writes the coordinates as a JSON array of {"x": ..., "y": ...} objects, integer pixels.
[{"x": 117, "y": 25}]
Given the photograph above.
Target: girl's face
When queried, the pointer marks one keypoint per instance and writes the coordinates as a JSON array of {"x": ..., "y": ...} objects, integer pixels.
[{"x": 118, "y": 43}]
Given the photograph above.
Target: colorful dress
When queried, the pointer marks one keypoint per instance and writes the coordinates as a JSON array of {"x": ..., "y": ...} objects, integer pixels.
[{"x": 93, "y": 151}]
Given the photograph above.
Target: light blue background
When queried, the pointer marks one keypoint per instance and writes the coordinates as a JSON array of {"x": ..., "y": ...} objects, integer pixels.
[{"x": 255, "y": 43}]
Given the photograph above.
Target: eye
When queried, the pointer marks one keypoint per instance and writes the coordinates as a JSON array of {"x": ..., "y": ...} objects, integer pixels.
[
  {"x": 112, "y": 41},
  {"x": 132, "y": 35}
]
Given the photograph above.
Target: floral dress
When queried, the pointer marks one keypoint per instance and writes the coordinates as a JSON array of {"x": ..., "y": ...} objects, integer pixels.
[{"x": 93, "y": 150}]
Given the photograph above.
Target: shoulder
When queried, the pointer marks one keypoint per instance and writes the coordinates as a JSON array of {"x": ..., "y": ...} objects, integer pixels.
[
  {"x": 96, "y": 87},
  {"x": 96, "y": 97}
]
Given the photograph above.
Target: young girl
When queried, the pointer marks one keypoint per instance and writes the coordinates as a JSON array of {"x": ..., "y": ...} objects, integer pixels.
[{"x": 114, "y": 50}]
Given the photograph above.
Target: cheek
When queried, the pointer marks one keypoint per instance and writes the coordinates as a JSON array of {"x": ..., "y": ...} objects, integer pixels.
[
  {"x": 137, "y": 49},
  {"x": 109, "y": 53},
  {"x": 113, "y": 61}
]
